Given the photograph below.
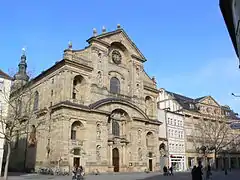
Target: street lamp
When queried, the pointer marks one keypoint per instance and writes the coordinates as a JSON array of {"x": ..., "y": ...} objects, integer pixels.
[
  {"x": 235, "y": 95},
  {"x": 224, "y": 156}
]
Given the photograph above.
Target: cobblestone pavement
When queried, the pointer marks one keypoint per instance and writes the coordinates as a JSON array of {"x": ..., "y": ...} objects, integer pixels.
[{"x": 234, "y": 175}]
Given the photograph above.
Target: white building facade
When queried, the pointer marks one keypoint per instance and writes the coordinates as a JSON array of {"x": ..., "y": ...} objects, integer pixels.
[
  {"x": 5, "y": 86},
  {"x": 174, "y": 128},
  {"x": 176, "y": 142}
]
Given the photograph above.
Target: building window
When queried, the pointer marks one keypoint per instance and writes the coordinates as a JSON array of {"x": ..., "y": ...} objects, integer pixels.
[
  {"x": 168, "y": 120},
  {"x": 114, "y": 85},
  {"x": 52, "y": 80},
  {"x": 51, "y": 92},
  {"x": 175, "y": 122},
  {"x": 76, "y": 130},
  {"x": 191, "y": 106},
  {"x": 171, "y": 121},
  {"x": 175, "y": 134},
  {"x": 115, "y": 128},
  {"x": 36, "y": 101}
]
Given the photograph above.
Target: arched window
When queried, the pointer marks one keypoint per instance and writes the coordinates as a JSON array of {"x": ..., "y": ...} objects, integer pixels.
[
  {"x": 114, "y": 85},
  {"x": 36, "y": 101},
  {"x": 75, "y": 130},
  {"x": 115, "y": 128}
]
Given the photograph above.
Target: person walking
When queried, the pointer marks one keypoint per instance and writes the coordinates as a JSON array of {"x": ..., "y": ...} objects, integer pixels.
[
  {"x": 74, "y": 172},
  {"x": 209, "y": 173},
  {"x": 171, "y": 170},
  {"x": 198, "y": 171},
  {"x": 165, "y": 171},
  {"x": 194, "y": 173}
]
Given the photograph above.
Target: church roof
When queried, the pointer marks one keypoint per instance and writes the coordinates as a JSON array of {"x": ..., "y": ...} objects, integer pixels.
[{"x": 5, "y": 75}]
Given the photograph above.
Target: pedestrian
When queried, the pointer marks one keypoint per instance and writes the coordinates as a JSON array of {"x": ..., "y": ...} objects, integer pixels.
[
  {"x": 165, "y": 171},
  {"x": 74, "y": 172},
  {"x": 198, "y": 171},
  {"x": 194, "y": 173},
  {"x": 209, "y": 173},
  {"x": 171, "y": 170}
]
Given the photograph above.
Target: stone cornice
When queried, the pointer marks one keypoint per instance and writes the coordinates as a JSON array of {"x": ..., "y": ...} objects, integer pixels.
[
  {"x": 155, "y": 122},
  {"x": 70, "y": 105},
  {"x": 148, "y": 88},
  {"x": 138, "y": 58},
  {"x": 78, "y": 65},
  {"x": 93, "y": 39}
]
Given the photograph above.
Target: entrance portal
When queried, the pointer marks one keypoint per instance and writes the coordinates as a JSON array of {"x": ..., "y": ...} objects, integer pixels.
[
  {"x": 150, "y": 165},
  {"x": 76, "y": 161},
  {"x": 115, "y": 159}
]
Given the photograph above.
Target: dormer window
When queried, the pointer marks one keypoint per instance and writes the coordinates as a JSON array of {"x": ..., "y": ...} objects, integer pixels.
[
  {"x": 191, "y": 106},
  {"x": 227, "y": 113}
]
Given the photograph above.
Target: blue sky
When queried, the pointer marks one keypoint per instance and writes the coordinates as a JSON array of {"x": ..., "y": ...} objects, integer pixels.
[{"x": 186, "y": 42}]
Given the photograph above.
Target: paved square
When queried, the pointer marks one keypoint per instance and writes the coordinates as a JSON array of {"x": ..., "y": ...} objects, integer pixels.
[{"x": 234, "y": 175}]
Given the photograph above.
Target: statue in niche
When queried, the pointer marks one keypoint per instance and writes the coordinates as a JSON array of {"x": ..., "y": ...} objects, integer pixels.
[
  {"x": 140, "y": 154},
  {"x": 137, "y": 89},
  {"x": 48, "y": 148},
  {"x": 139, "y": 136},
  {"x": 130, "y": 156},
  {"x": 98, "y": 132},
  {"x": 129, "y": 87},
  {"x": 138, "y": 71},
  {"x": 98, "y": 154},
  {"x": 32, "y": 137},
  {"x": 99, "y": 77}
]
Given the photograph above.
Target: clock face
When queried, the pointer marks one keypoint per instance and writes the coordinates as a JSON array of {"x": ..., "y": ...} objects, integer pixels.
[{"x": 116, "y": 57}]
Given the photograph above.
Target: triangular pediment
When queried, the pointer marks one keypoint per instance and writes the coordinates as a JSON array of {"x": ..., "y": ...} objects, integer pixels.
[
  {"x": 120, "y": 36},
  {"x": 208, "y": 100}
]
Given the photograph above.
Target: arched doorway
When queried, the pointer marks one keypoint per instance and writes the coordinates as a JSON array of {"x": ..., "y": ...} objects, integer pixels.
[{"x": 115, "y": 159}]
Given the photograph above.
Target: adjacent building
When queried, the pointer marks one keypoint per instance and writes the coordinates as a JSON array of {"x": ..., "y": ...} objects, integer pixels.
[
  {"x": 5, "y": 85},
  {"x": 99, "y": 108},
  {"x": 231, "y": 13},
  {"x": 174, "y": 128},
  {"x": 206, "y": 125}
]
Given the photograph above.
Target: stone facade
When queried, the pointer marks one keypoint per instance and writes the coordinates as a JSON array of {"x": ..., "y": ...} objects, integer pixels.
[{"x": 99, "y": 109}]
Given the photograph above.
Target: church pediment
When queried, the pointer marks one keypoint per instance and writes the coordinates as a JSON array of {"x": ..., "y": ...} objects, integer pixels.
[
  {"x": 208, "y": 100},
  {"x": 120, "y": 36}
]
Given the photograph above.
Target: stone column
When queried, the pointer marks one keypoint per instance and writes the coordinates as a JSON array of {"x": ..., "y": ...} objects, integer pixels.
[{"x": 110, "y": 155}]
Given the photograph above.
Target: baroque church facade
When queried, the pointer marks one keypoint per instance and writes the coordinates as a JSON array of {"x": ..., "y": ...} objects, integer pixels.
[{"x": 99, "y": 109}]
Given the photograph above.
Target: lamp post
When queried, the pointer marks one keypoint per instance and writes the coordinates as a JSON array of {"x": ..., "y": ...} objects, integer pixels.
[
  {"x": 224, "y": 162},
  {"x": 235, "y": 95}
]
